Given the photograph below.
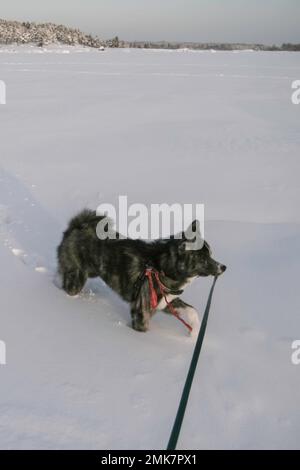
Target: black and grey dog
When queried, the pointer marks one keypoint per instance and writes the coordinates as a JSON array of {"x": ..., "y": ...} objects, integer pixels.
[{"x": 121, "y": 263}]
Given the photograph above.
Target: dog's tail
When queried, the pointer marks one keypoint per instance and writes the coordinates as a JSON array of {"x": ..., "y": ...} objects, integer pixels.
[{"x": 86, "y": 219}]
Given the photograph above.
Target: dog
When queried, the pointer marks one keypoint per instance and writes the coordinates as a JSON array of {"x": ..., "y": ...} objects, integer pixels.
[{"x": 122, "y": 263}]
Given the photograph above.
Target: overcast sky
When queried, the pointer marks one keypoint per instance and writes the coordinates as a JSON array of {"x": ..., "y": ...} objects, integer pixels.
[{"x": 263, "y": 21}]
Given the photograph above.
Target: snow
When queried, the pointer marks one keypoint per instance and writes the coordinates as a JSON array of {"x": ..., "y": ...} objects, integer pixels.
[{"x": 158, "y": 126}]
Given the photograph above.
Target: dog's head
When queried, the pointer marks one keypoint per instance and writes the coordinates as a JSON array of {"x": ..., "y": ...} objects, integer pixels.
[
  {"x": 194, "y": 256},
  {"x": 198, "y": 262}
]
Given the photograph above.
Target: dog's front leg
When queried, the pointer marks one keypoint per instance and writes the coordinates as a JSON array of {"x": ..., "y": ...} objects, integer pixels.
[
  {"x": 186, "y": 312},
  {"x": 140, "y": 319}
]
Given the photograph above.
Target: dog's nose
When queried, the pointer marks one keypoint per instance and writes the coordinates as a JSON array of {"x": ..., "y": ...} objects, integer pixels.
[{"x": 222, "y": 268}]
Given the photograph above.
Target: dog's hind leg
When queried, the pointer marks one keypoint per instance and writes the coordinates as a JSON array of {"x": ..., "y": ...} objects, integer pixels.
[
  {"x": 186, "y": 312},
  {"x": 73, "y": 281}
]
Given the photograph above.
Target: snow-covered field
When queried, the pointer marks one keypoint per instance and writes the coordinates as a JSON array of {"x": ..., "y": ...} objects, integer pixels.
[{"x": 81, "y": 127}]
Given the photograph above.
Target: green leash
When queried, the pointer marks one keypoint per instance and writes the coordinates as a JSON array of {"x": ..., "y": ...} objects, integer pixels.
[{"x": 189, "y": 380}]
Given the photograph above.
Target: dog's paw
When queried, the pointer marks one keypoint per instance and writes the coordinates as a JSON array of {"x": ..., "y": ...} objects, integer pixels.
[
  {"x": 140, "y": 324},
  {"x": 140, "y": 328},
  {"x": 190, "y": 316}
]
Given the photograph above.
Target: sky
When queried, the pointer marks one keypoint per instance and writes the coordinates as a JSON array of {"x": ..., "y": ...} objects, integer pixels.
[{"x": 260, "y": 21}]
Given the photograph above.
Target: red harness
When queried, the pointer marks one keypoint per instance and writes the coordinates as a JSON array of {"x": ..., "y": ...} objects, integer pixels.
[{"x": 149, "y": 272}]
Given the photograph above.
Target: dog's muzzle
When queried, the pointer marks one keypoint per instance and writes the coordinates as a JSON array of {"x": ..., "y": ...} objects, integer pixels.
[{"x": 221, "y": 269}]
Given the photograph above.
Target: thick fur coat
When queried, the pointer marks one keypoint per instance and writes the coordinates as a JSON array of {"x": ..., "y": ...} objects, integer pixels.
[{"x": 120, "y": 262}]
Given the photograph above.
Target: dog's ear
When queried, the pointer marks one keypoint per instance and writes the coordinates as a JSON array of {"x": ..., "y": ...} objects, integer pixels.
[
  {"x": 192, "y": 231},
  {"x": 192, "y": 237},
  {"x": 188, "y": 238}
]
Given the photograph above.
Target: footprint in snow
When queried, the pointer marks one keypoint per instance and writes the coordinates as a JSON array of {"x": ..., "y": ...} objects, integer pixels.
[{"x": 31, "y": 261}]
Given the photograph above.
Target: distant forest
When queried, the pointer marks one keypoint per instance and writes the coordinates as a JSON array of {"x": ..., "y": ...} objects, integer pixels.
[
  {"x": 209, "y": 45},
  {"x": 16, "y": 32}
]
